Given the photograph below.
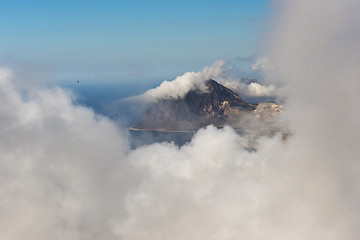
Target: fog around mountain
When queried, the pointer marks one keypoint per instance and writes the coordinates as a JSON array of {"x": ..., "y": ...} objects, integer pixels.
[
  {"x": 221, "y": 71},
  {"x": 68, "y": 173}
]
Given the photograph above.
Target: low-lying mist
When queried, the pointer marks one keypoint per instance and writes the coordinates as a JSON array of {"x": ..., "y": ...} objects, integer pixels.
[{"x": 68, "y": 173}]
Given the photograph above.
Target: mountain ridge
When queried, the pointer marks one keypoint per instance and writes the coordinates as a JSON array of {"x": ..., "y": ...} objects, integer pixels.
[{"x": 217, "y": 106}]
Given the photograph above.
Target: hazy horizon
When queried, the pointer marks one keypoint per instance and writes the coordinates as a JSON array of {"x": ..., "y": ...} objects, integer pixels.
[{"x": 121, "y": 40}]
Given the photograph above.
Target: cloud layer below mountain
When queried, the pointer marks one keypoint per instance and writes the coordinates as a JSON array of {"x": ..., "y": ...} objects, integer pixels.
[{"x": 70, "y": 174}]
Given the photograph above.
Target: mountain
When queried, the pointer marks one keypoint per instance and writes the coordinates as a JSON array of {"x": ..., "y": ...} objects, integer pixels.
[{"x": 218, "y": 106}]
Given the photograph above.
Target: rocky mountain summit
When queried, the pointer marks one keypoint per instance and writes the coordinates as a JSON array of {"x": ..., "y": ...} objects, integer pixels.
[{"x": 217, "y": 106}]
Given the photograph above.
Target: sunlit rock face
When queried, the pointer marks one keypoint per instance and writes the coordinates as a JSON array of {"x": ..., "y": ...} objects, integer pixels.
[
  {"x": 217, "y": 106},
  {"x": 268, "y": 109}
]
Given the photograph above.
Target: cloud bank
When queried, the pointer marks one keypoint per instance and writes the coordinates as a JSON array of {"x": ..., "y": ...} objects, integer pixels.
[
  {"x": 70, "y": 174},
  {"x": 315, "y": 53}
]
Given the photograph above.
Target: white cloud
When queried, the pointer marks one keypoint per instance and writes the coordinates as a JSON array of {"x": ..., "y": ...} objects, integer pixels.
[
  {"x": 262, "y": 63},
  {"x": 188, "y": 81},
  {"x": 252, "y": 89},
  {"x": 56, "y": 162},
  {"x": 218, "y": 71},
  {"x": 315, "y": 48},
  {"x": 256, "y": 89},
  {"x": 209, "y": 189},
  {"x": 69, "y": 174}
]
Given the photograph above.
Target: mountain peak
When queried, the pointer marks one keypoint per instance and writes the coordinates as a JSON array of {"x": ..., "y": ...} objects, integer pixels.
[
  {"x": 216, "y": 96},
  {"x": 211, "y": 82}
]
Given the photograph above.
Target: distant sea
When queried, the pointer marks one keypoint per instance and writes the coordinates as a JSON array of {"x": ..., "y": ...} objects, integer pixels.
[{"x": 110, "y": 100}]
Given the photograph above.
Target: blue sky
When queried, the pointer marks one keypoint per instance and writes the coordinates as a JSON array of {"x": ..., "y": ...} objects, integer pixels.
[{"x": 127, "y": 40}]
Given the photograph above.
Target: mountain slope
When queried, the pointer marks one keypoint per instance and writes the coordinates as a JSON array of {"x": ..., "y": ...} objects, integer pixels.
[{"x": 218, "y": 106}]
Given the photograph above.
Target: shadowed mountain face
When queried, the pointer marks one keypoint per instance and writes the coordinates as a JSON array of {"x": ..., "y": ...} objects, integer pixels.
[
  {"x": 212, "y": 102},
  {"x": 218, "y": 106}
]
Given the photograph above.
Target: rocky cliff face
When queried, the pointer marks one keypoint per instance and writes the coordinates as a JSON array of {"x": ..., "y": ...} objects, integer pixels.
[{"x": 218, "y": 106}]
